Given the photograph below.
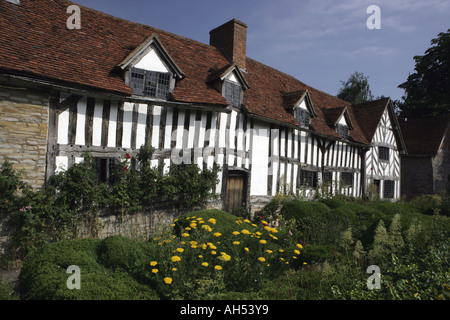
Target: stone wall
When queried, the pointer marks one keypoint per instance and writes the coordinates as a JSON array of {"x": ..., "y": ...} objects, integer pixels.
[{"x": 23, "y": 132}]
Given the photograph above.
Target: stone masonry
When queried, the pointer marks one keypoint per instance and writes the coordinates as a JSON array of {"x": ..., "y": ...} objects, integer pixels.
[{"x": 23, "y": 133}]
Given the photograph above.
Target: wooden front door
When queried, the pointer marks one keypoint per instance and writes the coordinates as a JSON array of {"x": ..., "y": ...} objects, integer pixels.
[{"x": 236, "y": 191}]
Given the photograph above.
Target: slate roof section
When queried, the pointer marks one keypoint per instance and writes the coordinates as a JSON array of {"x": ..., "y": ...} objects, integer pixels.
[
  {"x": 423, "y": 136},
  {"x": 37, "y": 43}
]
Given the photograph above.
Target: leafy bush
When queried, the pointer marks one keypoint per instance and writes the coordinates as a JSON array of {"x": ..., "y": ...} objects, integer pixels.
[
  {"x": 44, "y": 273},
  {"x": 332, "y": 203}
]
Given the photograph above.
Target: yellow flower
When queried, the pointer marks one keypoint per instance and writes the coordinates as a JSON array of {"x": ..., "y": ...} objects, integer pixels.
[
  {"x": 154, "y": 270},
  {"x": 175, "y": 258},
  {"x": 211, "y": 246},
  {"x": 416, "y": 295},
  {"x": 205, "y": 264},
  {"x": 206, "y": 227},
  {"x": 281, "y": 250},
  {"x": 217, "y": 267},
  {"x": 246, "y": 249},
  {"x": 224, "y": 256},
  {"x": 193, "y": 225},
  {"x": 299, "y": 246},
  {"x": 217, "y": 234},
  {"x": 193, "y": 243},
  {"x": 185, "y": 235},
  {"x": 305, "y": 263},
  {"x": 153, "y": 263},
  {"x": 236, "y": 243},
  {"x": 213, "y": 252},
  {"x": 261, "y": 259},
  {"x": 296, "y": 252},
  {"x": 172, "y": 225},
  {"x": 187, "y": 228},
  {"x": 174, "y": 269},
  {"x": 200, "y": 256},
  {"x": 236, "y": 233},
  {"x": 167, "y": 280},
  {"x": 180, "y": 250},
  {"x": 294, "y": 257},
  {"x": 246, "y": 220},
  {"x": 245, "y": 231},
  {"x": 269, "y": 251},
  {"x": 264, "y": 222},
  {"x": 258, "y": 233},
  {"x": 199, "y": 219},
  {"x": 262, "y": 241},
  {"x": 212, "y": 221}
]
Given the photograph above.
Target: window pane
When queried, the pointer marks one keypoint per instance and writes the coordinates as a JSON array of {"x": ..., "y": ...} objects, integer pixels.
[
  {"x": 342, "y": 130},
  {"x": 347, "y": 179},
  {"x": 388, "y": 191},
  {"x": 233, "y": 93},
  {"x": 308, "y": 178},
  {"x": 383, "y": 153},
  {"x": 137, "y": 81}
]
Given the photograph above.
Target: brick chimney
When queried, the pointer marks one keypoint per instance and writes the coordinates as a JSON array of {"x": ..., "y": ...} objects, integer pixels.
[{"x": 231, "y": 37}]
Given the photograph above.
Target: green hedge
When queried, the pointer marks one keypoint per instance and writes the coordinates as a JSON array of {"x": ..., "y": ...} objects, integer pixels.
[{"x": 107, "y": 271}]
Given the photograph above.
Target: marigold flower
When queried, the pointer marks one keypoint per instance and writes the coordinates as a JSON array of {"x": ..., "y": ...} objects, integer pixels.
[
  {"x": 247, "y": 221},
  {"x": 184, "y": 235},
  {"x": 296, "y": 252},
  {"x": 299, "y": 246},
  {"x": 213, "y": 252},
  {"x": 211, "y": 246},
  {"x": 236, "y": 243},
  {"x": 212, "y": 221},
  {"x": 206, "y": 227},
  {"x": 217, "y": 234},
  {"x": 180, "y": 250},
  {"x": 269, "y": 251},
  {"x": 187, "y": 228},
  {"x": 236, "y": 233},
  {"x": 217, "y": 267},
  {"x": 205, "y": 264},
  {"x": 261, "y": 259},
  {"x": 153, "y": 263},
  {"x": 174, "y": 269},
  {"x": 262, "y": 241},
  {"x": 245, "y": 231},
  {"x": 224, "y": 256},
  {"x": 246, "y": 249},
  {"x": 200, "y": 256},
  {"x": 155, "y": 270},
  {"x": 175, "y": 258},
  {"x": 167, "y": 280},
  {"x": 281, "y": 250}
]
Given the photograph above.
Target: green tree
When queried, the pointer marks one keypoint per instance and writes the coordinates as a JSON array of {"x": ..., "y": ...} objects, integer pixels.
[
  {"x": 356, "y": 89},
  {"x": 427, "y": 89}
]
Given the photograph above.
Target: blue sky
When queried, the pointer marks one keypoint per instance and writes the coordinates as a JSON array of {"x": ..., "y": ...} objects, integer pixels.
[{"x": 318, "y": 42}]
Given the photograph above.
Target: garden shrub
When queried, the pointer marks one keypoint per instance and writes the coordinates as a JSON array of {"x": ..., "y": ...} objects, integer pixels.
[
  {"x": 44, "y": 274},
  {"x": 332, "y": 203},
  {"x": 297, "y": 209},
  {"x": 225, "y": 222}
]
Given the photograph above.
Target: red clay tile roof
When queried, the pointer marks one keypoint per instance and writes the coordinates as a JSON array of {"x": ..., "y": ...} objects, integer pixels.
[
  {"x": 370, "y": 114},
  {"x": 36, "y": 42},
  {"x": 423, "y": 136}
]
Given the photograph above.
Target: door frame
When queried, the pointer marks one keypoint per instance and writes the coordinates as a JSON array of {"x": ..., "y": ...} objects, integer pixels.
[{"x": 236, "y": 172}]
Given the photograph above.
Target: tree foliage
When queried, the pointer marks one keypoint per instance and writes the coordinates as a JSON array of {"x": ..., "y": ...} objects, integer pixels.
[
  {"x": 427, "y": 90},
  {"x": 356, "y": 89}
]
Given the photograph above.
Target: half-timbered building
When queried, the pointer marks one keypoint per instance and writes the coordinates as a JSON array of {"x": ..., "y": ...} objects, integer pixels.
[{"x": 114, "y": 85}]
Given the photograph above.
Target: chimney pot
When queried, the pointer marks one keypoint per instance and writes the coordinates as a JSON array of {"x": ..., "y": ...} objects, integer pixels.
[{"x": 231, "y": 37}]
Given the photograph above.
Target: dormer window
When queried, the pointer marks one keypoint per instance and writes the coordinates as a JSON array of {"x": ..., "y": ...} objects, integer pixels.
[
  {"x": 150, "y": 71},
  {"x": 233, "y": 93},
  {"x": 150, "y": 83},
  {"x": 299, "y": 104},
  {"x": 342, "y": 129}
]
